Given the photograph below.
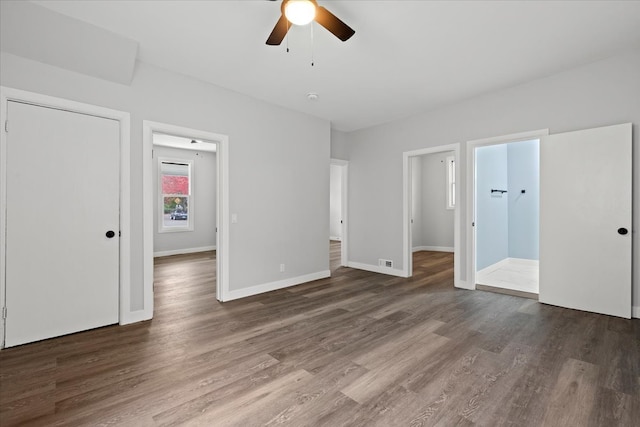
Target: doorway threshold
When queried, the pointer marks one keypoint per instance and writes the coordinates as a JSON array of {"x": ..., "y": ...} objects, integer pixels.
[{"x": 512, "y": 292}]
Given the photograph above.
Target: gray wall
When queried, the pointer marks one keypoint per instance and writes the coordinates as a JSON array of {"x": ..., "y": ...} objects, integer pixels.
[
  {"x": 204, "y": 195},
  {"x": 279, "y": 179},
  {"x": 437, "y": 220},
  {"x": 339, "y": 145},
  {"x": 597, "y": 94}
]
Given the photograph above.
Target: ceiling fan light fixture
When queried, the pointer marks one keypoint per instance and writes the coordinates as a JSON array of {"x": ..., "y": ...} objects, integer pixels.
[{"x": 300, "y": 12}]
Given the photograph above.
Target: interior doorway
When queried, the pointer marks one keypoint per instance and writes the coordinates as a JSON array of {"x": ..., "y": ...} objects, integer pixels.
[
  {"x": 186, "y": 147},
  {"x": 507, "y": 216},
  {"x": 432, "y": 202},
  {"x": 338, "y": 209},
  {"x": 449, "y": 175},
  {"x": 585, "y": 217},
  {"x": 185, "y": 187}
]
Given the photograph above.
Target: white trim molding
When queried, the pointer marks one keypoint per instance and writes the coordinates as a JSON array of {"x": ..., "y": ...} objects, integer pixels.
[
  {"x": 124, "y": 118},
  {"x": 273, "y": 286},
  {"x": 378, "y": 269},
  {"x": 184, "y": 251},
  {"x": 222, "y": 205}
]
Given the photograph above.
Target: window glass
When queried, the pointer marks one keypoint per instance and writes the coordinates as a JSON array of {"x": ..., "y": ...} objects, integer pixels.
[
  {"x": 175, "y": 195},
  {"x": 451, "y": 182}
]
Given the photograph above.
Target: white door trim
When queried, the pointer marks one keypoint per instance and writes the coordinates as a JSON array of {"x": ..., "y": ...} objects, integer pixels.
[
  {"x": 222, "y": 206},
  {"x": 344, "y": 184},
  {"x": 10, "y": 94},
  {"x": 407, "y": 252},
  {"x": 471, "y": 189}
]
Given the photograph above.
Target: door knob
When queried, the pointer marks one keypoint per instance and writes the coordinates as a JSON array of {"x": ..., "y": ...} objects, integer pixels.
[
  {"x": 110, "y": 234},
  {"x": 622, "y": 231}
]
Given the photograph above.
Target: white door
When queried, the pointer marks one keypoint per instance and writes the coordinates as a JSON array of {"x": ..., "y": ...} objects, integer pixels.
[
  {"x": 62, "y": 200},
  {"x": 585, "y": 220}
]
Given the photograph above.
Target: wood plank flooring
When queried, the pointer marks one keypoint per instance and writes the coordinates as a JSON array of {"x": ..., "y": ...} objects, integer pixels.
[{"x": 358, "y": 349}]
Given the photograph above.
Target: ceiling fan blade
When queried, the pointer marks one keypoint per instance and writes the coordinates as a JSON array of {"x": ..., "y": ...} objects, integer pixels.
[
  {"x": 279, "y": 31},
  {"x": 333, "y": 24}
]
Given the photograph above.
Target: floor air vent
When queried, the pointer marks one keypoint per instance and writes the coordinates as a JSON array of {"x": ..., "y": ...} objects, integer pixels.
[{"x": 385, "y": 263}]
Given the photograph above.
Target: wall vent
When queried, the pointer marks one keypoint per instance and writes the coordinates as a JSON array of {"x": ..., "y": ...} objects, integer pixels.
[{"x": 387, "y": 263}]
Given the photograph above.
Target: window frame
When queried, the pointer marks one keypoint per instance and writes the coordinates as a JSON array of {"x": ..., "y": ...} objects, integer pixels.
[
  {"x": 450, "y": 171},
  {"x": 189, "y": 223}
]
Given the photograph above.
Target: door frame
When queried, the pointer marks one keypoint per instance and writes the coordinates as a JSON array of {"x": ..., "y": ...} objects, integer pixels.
[
  {"x": 222, "y": 205},
  {"x": 471, "y": 188},
  {"x": 407, "y": 250},
  {"x": 344, "y": 208},
  {"x": 10, "y": 94}
]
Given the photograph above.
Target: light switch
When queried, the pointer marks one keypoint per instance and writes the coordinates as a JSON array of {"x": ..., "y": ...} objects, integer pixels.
[{"x": 234, "y": 218}]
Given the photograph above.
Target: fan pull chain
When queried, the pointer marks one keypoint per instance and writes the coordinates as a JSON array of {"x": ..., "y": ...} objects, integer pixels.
[
  {"x": 288, "y": 28},
  {"x": 311, "y": 26}
]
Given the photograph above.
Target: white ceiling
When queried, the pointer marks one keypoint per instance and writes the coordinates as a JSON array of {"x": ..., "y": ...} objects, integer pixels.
[{"x": 406, "y": 56}]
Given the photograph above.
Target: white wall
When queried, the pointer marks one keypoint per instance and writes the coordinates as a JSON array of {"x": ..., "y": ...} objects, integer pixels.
[
  {"x": 335, "y": 202},
  {"x": 204, "y": 189},
  {"x": 437, "y": 220},
  {"x": 598, "y": 94},
  {"x": 279, "y": 179}
]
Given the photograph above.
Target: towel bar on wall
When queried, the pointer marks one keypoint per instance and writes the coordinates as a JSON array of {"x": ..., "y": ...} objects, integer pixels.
[{"x": 498, "y": 191}]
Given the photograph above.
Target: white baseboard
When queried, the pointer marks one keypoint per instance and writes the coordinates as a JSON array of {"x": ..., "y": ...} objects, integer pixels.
[
  {"x": 491, "y": 268},
  {"x": 183, "y": 251},
  {"x": 377, "y": 269},
  {"x": 463, "y": 284},
  {"x": 280, "y": 284},
  {"x": 335, "y": 238},
  {"x": 135, "y": 316},
  {"x": 635, "y": 312},
  {"x": 433, "y": 248}
]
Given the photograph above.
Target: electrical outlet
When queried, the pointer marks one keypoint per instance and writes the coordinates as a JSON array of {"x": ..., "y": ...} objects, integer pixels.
[{"x": 281, "y": 268}]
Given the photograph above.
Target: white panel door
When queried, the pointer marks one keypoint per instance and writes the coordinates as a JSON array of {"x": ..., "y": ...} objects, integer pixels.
[
  {"x": 62, "y": 199},
  {"x": 585, "y": 220}
]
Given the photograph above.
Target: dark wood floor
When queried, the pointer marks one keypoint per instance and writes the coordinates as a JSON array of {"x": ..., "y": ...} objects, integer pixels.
[{"x": 359, "y": 349}]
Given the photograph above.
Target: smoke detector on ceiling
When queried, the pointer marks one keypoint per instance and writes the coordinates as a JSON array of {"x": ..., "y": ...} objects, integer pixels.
[{"x": 311, "y": 96}]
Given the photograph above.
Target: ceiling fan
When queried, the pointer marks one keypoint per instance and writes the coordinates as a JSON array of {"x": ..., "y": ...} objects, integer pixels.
[{"x": 302, "y": 12}]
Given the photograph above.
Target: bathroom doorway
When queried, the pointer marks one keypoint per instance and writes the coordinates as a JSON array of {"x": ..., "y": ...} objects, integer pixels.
[{"x": 507, "y": 211}]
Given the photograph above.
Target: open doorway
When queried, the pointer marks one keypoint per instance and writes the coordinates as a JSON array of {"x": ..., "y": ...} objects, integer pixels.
[
  {"x": 431, "y": 214},
  {"x": 507, "y": 203},
  {"x": 185, "y": 188},
  {"x": 496, "y": 190},
  {"x": 338, "y": 182},
  {"x": 189, "y": 215}
]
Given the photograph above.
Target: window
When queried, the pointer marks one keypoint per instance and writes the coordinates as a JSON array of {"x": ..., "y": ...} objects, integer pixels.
[
  {"x": 176, "y": 195},
  {"x": 451, "y": 182}
]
